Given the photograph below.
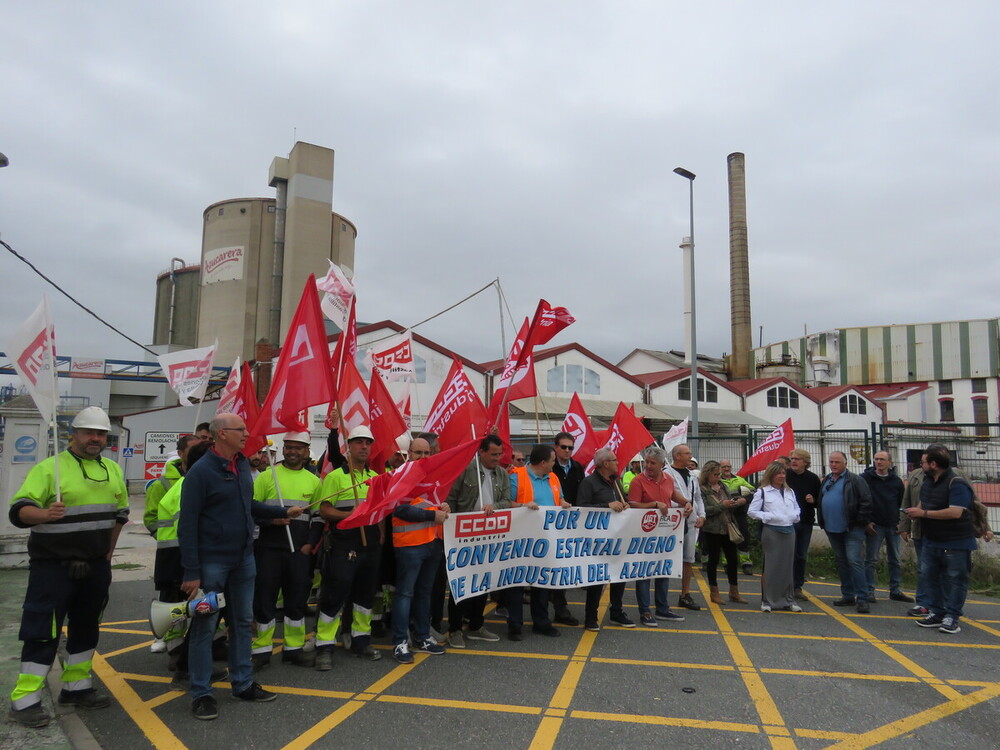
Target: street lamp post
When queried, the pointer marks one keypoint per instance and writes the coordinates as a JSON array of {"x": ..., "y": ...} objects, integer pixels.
[{"x": 687, "y": 244}]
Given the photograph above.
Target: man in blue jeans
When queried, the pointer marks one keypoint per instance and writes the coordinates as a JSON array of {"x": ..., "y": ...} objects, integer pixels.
[
  {"x": 844, "y": 510},
  {"x": 215, "y": 535},
  {"x": 949, "y": 539},
  {"x": 887, "y": 495}
]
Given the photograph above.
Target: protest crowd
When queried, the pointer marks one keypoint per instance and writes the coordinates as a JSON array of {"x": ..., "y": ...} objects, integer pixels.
[{"x": 351, "y": 547}]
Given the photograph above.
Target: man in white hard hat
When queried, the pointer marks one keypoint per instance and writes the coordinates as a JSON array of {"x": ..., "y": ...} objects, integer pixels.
[
  {"x": 350, "y": 557},
  {"x": 284, "y": 554},
  {"x": 74, "y": 529}
]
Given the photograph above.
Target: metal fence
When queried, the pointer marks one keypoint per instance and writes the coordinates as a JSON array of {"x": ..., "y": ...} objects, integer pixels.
[{"x": 975, "y": 448}]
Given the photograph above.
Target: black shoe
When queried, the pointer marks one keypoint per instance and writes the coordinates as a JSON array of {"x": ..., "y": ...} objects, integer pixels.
[
  {"x": 256, "y": 694},
  {"x": 863, "y": 607},
  {"x": 205, "y": 708},
  {"x": 548, "y": 630},
  {"x": 872, "y": 599},
  {"x": 747, "y": 569},
  {"x": 918, "y": 612},
  {"x": 563, "y": 617},
  {"x": 844, "y": 602},
  {"x": 592, "y": 625},
  {"x": 33, "y": 717},
  {"x": 800, "y": 596},
  {"x": 899, "y": 596},
  {"x": 324, "y": 660},
  {"x": 514, "y": 634},
  {"x": 88, "y": 698},
  {"x": 367, "y": 652},
  {"x": 299, "y": 658},
  {"x": 621, "y": 619},
  {"x": 260, "y": 661},
  {"x": 685, "y": 600}
]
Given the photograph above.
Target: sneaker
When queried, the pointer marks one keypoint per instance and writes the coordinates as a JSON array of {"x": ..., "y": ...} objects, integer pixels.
[
  {"x": 847, "y": 601},
  {"x": 647, "y": 620},
  {"x": 863, "y": 607},
  {"x": 482, "y": 635},
  {"x": 402, "y": 654},
  {"x": 429, "y": 646},
  {"x": 918, "y": 612},
  {"x": 685, "y": 600},
  {"x": 88, "y": 698},
  {"x": 367, "y": 652},
  {"x": 563, "y": 617},
  {"x": 547, "y": 630},
  {"x": 800, "y": 596},
  {"x": 871, "y": 598},
  {"x": 260, "y": 661},
  {"x": 765, "y": 607},
  {"x": 592, "y": 626},
  {"x": 33, "y": 717},
  {"x": 621, "y": 619},
  {"x": 931, "y": 621},
  {"x": 899, "y": 596},
  {"x": 299, "y": 658},
  {"x": 501, "y": 612},
  {"x": 514, "y": 634},
  {"x": 158, "y": 646},
  {"x": 256, "y": 694},
  {"x": 437, "y": 636},
  {"x": 324, "y": 660},
  {"x": 795, "y": 608},
  {"x": 205, "y": 708},
  {"x": 669, "y": 616},
  {"x": 456, "y": 639},
  {"x": 950, "y": 625}
]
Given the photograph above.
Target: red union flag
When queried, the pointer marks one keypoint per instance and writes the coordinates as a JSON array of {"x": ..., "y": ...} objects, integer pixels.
[
  {"x": 187, "y": 372},
  {"x": 393, "y": 357},
  {"x": 518, "y": 377},
  {"x": 548, "y": 321},
  {"x": 386, "y": 422},
  {"x": 347, "y": 346},
  {"x": 244, "y": 403},
  {"x": 32, "y": 349},
  {"x": 626, "y": 437},
  {"x": 302, "y": 377},
  {"x": 458, "y": 412},
  {"x": 577, "y": 424},
  {"x": 778, "y": 443},
  {"x": 338, "y": 291},
  {"x": 353, "y": 397},
  {"x": 231, "y": 390}
]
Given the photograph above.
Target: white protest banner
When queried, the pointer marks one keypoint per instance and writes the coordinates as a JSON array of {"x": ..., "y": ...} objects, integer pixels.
[
  {"x": 557, "y": 548},
  {"x": 187, "y": 372},
  {"x": 393, "y": 357},
  {"x": 32, "y": 351},
  {"x": 231, "y": 392},
  {"x": 337, "y": 291},
  {"x": 676, "y": 435}
]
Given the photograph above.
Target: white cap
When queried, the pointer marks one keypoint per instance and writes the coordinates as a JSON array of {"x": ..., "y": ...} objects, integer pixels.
[
  {"x": 403, "y": 442},
  {"x": 298, "y": 437},
  {"x": 638, "y": 457},
  {"x": 360, "y": 432},
  {"x": 92, "y": 418}
]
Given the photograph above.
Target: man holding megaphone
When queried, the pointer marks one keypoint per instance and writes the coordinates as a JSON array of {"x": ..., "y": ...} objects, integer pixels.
[{"x": 215, "y": 533}]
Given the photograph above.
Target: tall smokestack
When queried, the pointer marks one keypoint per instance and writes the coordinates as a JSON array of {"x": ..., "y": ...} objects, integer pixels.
[{"x": 739, "y": 270}]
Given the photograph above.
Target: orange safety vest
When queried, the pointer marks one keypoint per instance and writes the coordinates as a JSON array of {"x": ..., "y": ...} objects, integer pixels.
[
  {"x": 526, "y": 493},
  {"x": 413, "y": 534}
]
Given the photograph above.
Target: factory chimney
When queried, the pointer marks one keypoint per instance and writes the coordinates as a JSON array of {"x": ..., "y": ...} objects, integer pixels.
[{"x": 739, "y": 270}]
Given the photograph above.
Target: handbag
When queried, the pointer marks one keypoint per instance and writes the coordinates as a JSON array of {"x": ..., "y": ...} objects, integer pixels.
[{"x": 734, "y": 532}]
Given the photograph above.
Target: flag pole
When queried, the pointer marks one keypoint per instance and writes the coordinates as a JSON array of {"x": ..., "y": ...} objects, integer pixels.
[
  {"x": 55, "y": 421},
  {"x": 277, "y": 488},
  {"x": 479, "y": 468},
  {"x": 538, "y": 426}
]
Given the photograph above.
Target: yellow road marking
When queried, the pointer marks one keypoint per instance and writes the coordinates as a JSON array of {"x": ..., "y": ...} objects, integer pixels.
[
  {"x": 127, "y": 622},
  {"x": 979, "y": 624},
  {"x": 105, "y": 629},
  {"x": 164, "y": 698},
  {"x": 822, "y": 734},
  {"x": 791, "y": 636},
  {"x": 668, "y": 721},
  {"x": 942, "y": 644},
  {"x": 917, "y": 720},
  {"x": 505, "y": 654},
  {"x": 904, "y": 661},
  {"x": 841, "y": 675},
  {"x": 669, "y": 664},
  {"x": 127, "y": 649},
  {"x": 156, "y": 731},
  {"x": 468, "y": 705}
]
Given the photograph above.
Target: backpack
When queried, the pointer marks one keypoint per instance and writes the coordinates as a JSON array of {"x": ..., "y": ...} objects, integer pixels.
[{"x": 978, "y": 511}]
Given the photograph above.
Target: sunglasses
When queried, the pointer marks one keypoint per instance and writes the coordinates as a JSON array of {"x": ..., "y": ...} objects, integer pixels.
[{"x": 99, "y": 462}]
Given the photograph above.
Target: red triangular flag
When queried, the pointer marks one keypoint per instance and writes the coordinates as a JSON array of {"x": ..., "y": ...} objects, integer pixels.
[
  {"x": 577, "y": 424},
  {"x": 386, "y": 422},
  {"x": 352, "y": 397},
  {"x": 244, "y": 403},
  {"x": 517, "y": 380},
  {"x": 347, "y": 346},
  {"x": 548, "y": 321},
  {"x": 778, "y": 443},
  {"x": 302, "y": 377},
  {"x": 626, "y": 437},
  {"x": 458, "y": 412}
]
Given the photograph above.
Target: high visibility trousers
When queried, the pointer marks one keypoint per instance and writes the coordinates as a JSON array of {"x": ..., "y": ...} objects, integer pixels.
[
  {"x": 348, "y": 573},
  {"x": 288, "y": 572},
  {"x": 51, "y": 598}
]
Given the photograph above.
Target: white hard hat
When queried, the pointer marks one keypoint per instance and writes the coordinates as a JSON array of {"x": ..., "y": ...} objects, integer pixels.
[
  {"x": 92, "y": 418},
  {"x": 360, "y": 432},
  {"x": 403, "y": 442},
  {"x": 298, "y": 437}
]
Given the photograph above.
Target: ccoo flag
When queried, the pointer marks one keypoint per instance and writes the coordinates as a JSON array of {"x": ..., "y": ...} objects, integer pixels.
[
  {"x": 779, "y": 442},
  {"x": 32, "y": 350}
]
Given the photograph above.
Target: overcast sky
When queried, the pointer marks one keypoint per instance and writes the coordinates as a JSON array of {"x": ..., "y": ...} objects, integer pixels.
[{"x": 532, "y": 141}]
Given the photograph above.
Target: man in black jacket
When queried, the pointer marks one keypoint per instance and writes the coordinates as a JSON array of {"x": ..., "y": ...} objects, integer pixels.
[
  {"x": 570, "y": 474},
  {"x": 845, "y": 509},
  {"x": 887, "y": 494},
  {"x": 806, "y": 486}
]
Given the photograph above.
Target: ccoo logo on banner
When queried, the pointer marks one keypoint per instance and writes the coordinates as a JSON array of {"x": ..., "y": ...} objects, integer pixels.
[{"x": 560, "y": 548}]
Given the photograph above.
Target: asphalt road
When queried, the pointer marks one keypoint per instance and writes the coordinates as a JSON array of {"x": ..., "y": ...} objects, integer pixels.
[{"x": 728, "y": 676}]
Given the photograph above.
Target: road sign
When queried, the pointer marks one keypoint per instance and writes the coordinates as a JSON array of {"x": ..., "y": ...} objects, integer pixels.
[
  {"x": 153, "y": 471},
  {"x": 128, "y": 452},
  {"x": 159, "y": 445}
]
